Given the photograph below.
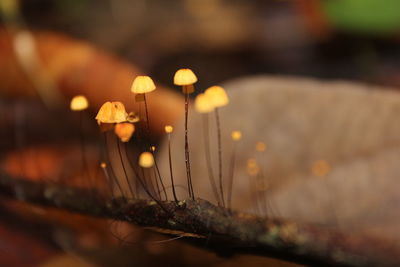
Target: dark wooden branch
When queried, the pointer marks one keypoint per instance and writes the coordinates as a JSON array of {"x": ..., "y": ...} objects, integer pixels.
[{"x": 215, "y": 227}]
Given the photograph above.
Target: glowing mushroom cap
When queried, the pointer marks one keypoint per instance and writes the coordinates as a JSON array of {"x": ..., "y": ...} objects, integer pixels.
[
  {"x": 236, "y": 135},
  {"x": 142, "y": 85},
  {"x": 112, "y": 112},
  {"x": 79, "y": 103},
  {"x": 217, "y": 96},
  {"x": 184, "y": 77},
  {"x": 146, "y": 160},
  {"x": 203, "y": 104},
  {"x": 124, "y": 131},
  {"x": 169, "y": 129}
]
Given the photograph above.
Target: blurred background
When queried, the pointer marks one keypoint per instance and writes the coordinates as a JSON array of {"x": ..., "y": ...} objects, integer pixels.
[
  {"x": 352, "y": 39},
  {"x": 219, "y": 39}
]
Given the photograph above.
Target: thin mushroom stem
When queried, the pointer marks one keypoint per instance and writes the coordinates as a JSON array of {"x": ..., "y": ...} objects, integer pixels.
[
  {"x": 147, "y": 113},
  {"x": 221, "y": 188},
  {"x": 111, "y": 166},
  {"x": 143, "y": 184},
  {"x": 132, "y": 167},
  {"x": 83, "y": 153},
  {"x": 206, "y": 137},
  {"x": 124, "y": 169},
  {"x": 231, "y": 176},
  {"x": 159, "y": 177},
  {"x": 105, "y": 172},
  {"x": 187, "y": 158},
  {"x": 158, "y": 192},
  {"x": 170, "y": 168}
]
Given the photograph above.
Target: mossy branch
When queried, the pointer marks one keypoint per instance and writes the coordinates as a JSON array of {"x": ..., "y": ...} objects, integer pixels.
[{"x": 216, "y": 228}]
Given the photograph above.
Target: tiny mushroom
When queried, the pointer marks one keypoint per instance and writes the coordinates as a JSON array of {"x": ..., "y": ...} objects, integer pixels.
[
  {"x": 146, "y": 160},
  {"x": 112, "y": 112},
  {"x": 79, "y": 103},
  {"x": 185, "y": 78},
  {"x": 261, "y": 146},
  {"x": 252, "y": 167},
  {"x": 217, "y": 96},
  {"x": 124, "y": 131},
  {"x": 236, "y": 135},
  {"x": 142, "y": 85},
  {"x": 203, "y": 104},
  {"x": 169, "y": 129}
]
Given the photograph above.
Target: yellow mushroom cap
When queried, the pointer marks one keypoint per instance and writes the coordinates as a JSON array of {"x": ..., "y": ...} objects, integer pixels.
[
  {"x": 124, "y": 131},
  {"x": 142, "y": 85},
  {"x": 184, "y": 77},
  {"x": 169, "y": 129},
  {"x": 202, "y": 104},
  {"x": 79, "y": 103},
  {"x": 236, "y": 135},
  {"x": 217, "y": 96},
  {"x": 146, "y": 160},
  {"x": 112, "y": 112}
]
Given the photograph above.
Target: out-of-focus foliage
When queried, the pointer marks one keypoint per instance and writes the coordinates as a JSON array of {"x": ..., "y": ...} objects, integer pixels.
[{"x": 364, "y": 16}]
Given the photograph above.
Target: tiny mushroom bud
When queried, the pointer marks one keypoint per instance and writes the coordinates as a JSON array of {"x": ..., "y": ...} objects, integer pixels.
[
  {"x": 79, "y": 103},
  {"x": 202, "y": 104},
  {"x": 153, "y": 148},
  {"x": 169, "y": 129},
  {"x": 112, "y": 112},
  {"x": 184, "y": 77},
  {"x": 320, "y": 168},
  {"x": 236, "y": 135},
  {"x": 146, "y": 160},
  {"x": 261, "y": 146},
  {"x": 124, "y": 131},
  {"x": 217, "y": 96},
  {"x": 142, "y": 85},
  {"x": 252, "y": 167}
]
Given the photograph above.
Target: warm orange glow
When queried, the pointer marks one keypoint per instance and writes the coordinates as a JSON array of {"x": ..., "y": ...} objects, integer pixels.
[
  {"x": 79, "y": 103},
  {"x": 153, "y": 148},
  {"x": 320, "y": 168},
  {"x": 261, "y": 146},
  {"x": 146, "y": 160},
  {"x": 103, "y": 165},
  {"x": 142, "y": 85},
  {"x": 236, "y": 135},
  {"x": 217, "y": 96},
  {"x": 124, "y": 131},
  {"x": 112, "y": 112},
  {"x": 202, "y": 104},
  {"x": 184, "y": 77},
  {"x": 252, "y": 167},
  {"x": 169, "y": 129}
]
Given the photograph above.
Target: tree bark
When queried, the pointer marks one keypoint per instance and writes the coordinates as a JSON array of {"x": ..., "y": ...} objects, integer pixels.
[{"x": 215, "y": 228}]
